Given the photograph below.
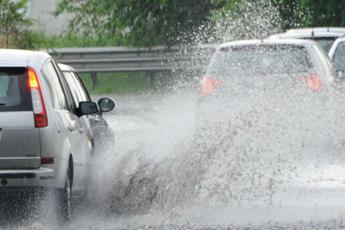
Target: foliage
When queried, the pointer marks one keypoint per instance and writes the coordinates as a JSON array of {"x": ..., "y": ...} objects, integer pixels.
[
  {"x": 292, "y": 13},
  {"x": 68, "y": 40},
  {"x": 313, "y": 13},
  {"x": 167, "y": 22},
  {"x": 13, "y": 21},
  {"x": 139, "y": 23},
  {"x": 325, "y": 13},
  {"x": 163, "y": 22}
]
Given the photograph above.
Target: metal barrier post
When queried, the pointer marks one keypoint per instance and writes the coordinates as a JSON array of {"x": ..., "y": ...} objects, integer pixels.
[{"x": 94, "y": 79}]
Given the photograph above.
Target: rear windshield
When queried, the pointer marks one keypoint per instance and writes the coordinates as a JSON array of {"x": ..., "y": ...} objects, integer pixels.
[
  {"x": 261, "y": 60},
  {"x": 339, "y": 57},
  {"x": 14, "y": 91}
]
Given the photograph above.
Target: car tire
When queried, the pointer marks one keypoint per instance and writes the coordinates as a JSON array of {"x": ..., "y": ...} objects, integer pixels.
[{"x": 63, "y": 200}]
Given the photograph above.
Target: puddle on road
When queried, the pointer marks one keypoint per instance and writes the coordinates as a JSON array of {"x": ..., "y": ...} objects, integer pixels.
[{"x": 240, "y": 154}]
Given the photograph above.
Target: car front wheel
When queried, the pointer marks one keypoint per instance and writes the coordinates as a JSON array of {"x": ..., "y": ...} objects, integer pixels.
[{"x": 63, "y": 200}]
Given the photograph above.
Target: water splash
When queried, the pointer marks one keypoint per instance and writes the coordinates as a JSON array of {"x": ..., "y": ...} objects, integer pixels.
[{"x": 243, "y": 150}]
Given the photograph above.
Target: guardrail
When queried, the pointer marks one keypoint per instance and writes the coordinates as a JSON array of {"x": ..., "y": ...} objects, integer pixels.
[{"x": 121, "y": 59}]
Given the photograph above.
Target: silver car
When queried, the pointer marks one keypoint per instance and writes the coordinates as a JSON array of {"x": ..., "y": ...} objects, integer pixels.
[
  {"x": 272, "y": 57},
  {"x": 325, "y": 36},
  {"x": 43, "y": 143}
]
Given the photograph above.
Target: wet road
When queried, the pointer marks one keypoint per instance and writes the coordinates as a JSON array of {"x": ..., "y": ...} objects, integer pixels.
[{"x": 150, "y": 179}]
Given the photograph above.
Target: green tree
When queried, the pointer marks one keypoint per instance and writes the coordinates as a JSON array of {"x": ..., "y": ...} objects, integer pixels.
[
  {"x": 13, "y": 21},
  {"x": 139, "y": 23},
  {"x": 292, "y": 13},
  {"x": 325, "y": 13}
]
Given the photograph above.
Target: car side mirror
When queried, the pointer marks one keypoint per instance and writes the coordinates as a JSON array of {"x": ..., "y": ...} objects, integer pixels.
[
  {"x": 87, "y": 107},
  {"x": 106, "y": 104}
]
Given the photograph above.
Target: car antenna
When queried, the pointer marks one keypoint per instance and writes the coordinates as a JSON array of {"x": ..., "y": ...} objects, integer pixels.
[{"x": 312, "y": 33}]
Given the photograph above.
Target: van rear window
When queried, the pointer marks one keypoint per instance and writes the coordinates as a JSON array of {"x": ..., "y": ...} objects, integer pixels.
[{"x": 14, "y": 92}]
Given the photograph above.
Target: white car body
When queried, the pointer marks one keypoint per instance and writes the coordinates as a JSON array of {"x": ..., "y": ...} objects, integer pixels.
[
  {"x": 318, "y": 33},
  {"x": 47, "y": 157},
  {"x": 319, "y": 59}
]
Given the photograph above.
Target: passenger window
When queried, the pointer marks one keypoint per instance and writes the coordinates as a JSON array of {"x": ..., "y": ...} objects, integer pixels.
[
  {"x": 83, "y": 92},
  {"x": 78, "y": 92},
  {"x": 55, "y": 87},
  {"x": 66, "y": 88},
  {"x": 72, "y": 85}
]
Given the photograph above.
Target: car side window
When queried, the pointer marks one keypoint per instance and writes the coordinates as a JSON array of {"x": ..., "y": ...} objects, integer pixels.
[
  {"x": 73, "y": 87},
  {"x": 67, "y": 90},
  {"x": 339, "y": 56},
  {"x": 55, "y": 87},
  {"x": 77, "y": 89},
  {"x": 85, "y": 95}
]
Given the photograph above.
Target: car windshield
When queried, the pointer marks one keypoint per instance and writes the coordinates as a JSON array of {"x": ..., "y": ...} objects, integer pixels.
[
  {"x": 339, "y": 57},
  {"x": 260, "y": 59},
  {"x": 14, "y": 93}
]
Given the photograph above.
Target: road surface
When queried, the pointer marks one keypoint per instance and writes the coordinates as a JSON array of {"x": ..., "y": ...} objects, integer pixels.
[{"x": 165, "y": 173}]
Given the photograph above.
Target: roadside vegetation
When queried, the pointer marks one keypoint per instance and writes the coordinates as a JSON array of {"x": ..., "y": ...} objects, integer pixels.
[
  {"x": 150, "y": 23},
  {"x": 119, "y": 83}
]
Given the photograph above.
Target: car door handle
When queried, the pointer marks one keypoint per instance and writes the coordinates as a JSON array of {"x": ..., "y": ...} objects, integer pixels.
[
  {"x": 72, "y": 126},
  {"x": 81, "y": 130}
]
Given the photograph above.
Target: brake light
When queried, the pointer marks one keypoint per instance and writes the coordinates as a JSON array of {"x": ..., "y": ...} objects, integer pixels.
[
  {"x": 40, "y": 116},
  {"x": 208, "y": 85},
  {"x": 313, "y": 82},
  {"x": 33, "y": 83}
]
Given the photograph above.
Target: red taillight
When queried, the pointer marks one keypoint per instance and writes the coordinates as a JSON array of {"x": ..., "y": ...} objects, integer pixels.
[
  {"x": 47, "y": 160},
  {"x": 313, "y": 82},
  {"x": 40, "y": 116},
  {"x": 208, "y": 85}
]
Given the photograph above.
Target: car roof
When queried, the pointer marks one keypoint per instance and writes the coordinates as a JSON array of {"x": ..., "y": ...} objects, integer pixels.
[
  {"x": 14, "y": 57},
  {"x": 300, "y": 42},
  {"x": 66, "y": 68},
  {"x": 312, "y": 32},
  {"x": 318, "y": 30}
]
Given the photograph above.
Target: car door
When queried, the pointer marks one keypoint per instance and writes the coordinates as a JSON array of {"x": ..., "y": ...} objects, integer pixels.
[
  {"x": 102, "y": 134},
  {"x": 69, "y": 121},
  {"x": 84, "y": 161},
  {"x": 97, "y": 125}
]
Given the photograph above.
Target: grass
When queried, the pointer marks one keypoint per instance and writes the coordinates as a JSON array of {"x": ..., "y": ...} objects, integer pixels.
[
  {"x": 40, "y": 41},
  {"x": 118, "y": 83}
]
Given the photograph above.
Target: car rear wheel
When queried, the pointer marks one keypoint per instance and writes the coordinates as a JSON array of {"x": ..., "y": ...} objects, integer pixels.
[{"x": 63, "y": 200}]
